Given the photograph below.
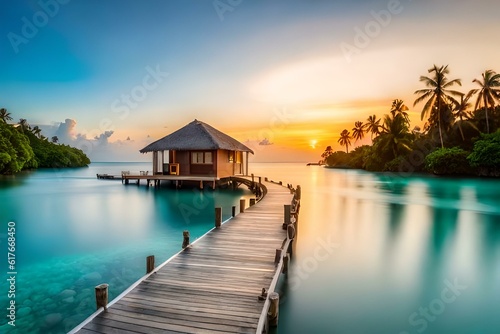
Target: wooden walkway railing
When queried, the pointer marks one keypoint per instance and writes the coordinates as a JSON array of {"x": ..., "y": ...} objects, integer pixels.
[{"x": 222, "y": 283}]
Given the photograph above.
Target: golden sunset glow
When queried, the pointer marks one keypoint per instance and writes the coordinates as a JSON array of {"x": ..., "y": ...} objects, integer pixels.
[
  {"x": 283, "y": 77},
  {"x": 313, "y": 143}
]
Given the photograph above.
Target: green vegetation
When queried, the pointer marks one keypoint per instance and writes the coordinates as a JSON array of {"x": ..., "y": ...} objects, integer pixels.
[
  {"x": 15, "y": 150},
  {"x": 448, "y": 161},
  {"x": 486, "y": 155},
  {"x": 23, "y": 147},
  {"x": 455, "y": 140}
]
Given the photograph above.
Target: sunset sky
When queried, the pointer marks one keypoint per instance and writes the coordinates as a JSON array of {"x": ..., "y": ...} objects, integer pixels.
[{"x": 119, "y": 74}]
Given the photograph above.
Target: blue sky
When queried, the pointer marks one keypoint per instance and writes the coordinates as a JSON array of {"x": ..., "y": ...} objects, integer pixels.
[{"x": 241, "y": 74}]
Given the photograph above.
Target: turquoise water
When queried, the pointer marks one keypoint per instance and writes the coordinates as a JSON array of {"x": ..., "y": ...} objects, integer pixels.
[
  {"x": 74, "y": 232},
  {"x": 384, "y": 253},
  {"x": 376, "y": 253}
]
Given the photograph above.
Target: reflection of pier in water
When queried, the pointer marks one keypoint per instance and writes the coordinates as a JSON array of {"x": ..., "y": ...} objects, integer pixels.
[{"x": 222, "y": 283}]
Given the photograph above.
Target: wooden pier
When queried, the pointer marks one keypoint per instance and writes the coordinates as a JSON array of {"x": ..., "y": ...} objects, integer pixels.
[{"x": 222, "y": 283}]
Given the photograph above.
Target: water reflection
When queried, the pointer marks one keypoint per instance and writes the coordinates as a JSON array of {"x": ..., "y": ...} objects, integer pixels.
[{"x": 401, "y": 240}]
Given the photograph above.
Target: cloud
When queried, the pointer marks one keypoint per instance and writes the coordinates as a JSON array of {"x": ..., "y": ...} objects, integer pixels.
[
  {"x": 98, "y": 148},
  {"x": 265, "y": 141},
  {"x": 65, "y": 131},
  {"x": 102, "y": 139}
]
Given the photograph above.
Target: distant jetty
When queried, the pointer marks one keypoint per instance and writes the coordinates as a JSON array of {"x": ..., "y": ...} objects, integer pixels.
[{"x": 315, "y": 164}]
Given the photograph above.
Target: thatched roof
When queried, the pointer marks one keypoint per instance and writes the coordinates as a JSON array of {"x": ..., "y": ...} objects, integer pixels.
[{"x": 196, "y": 136}]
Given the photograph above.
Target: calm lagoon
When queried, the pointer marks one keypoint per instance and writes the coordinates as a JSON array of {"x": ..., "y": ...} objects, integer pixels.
[
  {"x": 376, "y": 253},
  {"x": 74, "y": 231},
  {"x": 382, "y": 253}
]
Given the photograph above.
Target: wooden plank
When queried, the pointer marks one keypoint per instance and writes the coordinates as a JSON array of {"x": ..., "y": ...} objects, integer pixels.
[{"x": 211, "y": 287}]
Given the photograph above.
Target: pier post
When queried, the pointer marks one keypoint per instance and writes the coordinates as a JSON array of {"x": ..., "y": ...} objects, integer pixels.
[
  {"x": 101, "y": 296},
  {"x": 277, "y": 257},
  {"x": 290, "y": 229},
  {"x": 286, "y": 259},
  {"x": 150, "y": 264},
  {"x": 252, "y": 201},
  {"x": 286, "y": 217},
  {"x": 218, "y": 217},
  {"x": 233, "y": 211},
  {"x": 298, "y": 192},
  {"x": 185, "y": 242},
  {"x": 242, "y": 205},
  {"x": 273, "y": 313}
]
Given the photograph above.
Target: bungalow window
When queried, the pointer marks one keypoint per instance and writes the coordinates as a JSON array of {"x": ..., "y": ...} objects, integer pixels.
[
  {"x": 231, "y": 156},
  {"x": 201, "y": 158}
]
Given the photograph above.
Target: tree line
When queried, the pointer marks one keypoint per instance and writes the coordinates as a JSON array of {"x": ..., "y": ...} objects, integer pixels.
[
  {"x": 459, "y": 137},
  {"x": 24, "y": 147}
]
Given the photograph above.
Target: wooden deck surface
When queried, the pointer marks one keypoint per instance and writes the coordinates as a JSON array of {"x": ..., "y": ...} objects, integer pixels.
[
  {"x": 213, "y": 286},
  {"x": 170, "y": 177}
]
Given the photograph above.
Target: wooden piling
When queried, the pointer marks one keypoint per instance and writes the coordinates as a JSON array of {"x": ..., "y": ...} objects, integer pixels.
[
  {"x": 298, "y": 192},
  {"x": 273, "y": 313},
  {"x": 101, "y": 296},
  {"x": 252, "y": 201},
  {"x": 290, "y": 229},
  {"x": 286, "y": 260},
  {"x": 287, "y": 214},
  {"x": 233, "y": 211},
  {"x": 277, "y": 257},
  {"x": 242, "y": 205},
  {"x": 150, "y": 264},
  {"x": 218, "y": 217},
  {"x": 185, "y": 242}
]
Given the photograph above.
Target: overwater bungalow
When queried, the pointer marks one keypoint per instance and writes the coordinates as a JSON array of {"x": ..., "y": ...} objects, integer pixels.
[{"x": 200, "y": 150}]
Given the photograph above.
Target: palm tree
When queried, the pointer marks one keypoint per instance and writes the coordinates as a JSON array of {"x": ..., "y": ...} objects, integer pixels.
[
  {"x": 438, "y": 95},
  {"x": 358, "y": 131},
  {"x": 36, "y": 131},
  {"x": 345, "y": 139},
  {"x": 373, "y": 125},
  {"x": 488, "y": 94},
  {"x": 460, "y": 112},
  {"x": 55, "y": 139},
  {"x": 398, "y": 107},
  {"x": 23, "y": 124},
  {"x": 327, "y": 153},
  {"x": 395, "y": 135},
  {"x": 4, "y": 115}
]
